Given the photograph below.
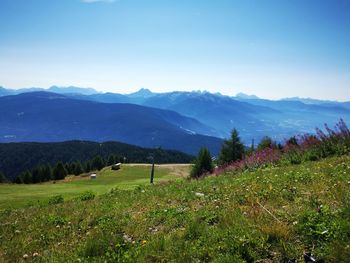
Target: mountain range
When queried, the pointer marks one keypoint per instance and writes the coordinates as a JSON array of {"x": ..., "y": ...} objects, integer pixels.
[
  {"x": 176, "y": 120},
  {"x": 50, "y": 117}
]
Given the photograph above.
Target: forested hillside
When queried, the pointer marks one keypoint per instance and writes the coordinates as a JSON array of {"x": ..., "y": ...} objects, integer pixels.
[{"x": 18, "y": 157}]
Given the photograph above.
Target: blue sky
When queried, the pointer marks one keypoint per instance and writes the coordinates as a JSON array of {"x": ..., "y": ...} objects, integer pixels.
[{"x": 269, "y": 48}]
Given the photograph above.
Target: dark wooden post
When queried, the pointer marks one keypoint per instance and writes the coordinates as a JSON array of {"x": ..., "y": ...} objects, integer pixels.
[{"x": 152, "y": 170}]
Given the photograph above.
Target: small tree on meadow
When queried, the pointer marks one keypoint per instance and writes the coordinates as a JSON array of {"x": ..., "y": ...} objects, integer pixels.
[
  {"x": 203, "y": 164},
  {"x": 232, "y": 149}
]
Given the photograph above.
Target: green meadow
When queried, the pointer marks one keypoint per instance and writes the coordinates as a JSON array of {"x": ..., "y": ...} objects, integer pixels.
[
  {"x": 128, "y": 177},
  {"x": 272, "y": 214}
]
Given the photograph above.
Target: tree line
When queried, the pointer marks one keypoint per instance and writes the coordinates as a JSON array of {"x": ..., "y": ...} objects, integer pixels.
[
  {"x": 231, "y": 150},
  {"x": 59, "y": 171},
  {"x": 295, "y": 150},
  {"x": 18, "y": 158}
]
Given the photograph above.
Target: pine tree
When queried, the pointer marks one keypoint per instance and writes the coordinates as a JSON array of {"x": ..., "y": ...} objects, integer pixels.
[
  {"x": 36, "y": 175},
  {"x": 2, "y": 178},
  {"x": 72, "y": 167},
  {"x": 59, "y": 172},
  {"x": 203, "y": 164},
  {"x": 87, "y": 167},
  {"x": 266, "y": 142},
  {"x": 98, "y": 163},
  {"x": 231, "y": 150},
  {"x": 19, "y": 179},
  {"x": 46, "y": 173},
  {"x": 112, "y": 159},
  {"x": 27, "y": 177},
  {"x": 78, "y": 168}
]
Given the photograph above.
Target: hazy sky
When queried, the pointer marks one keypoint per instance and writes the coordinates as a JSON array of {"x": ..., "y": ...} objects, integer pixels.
[{"x": 269, "y": 48}]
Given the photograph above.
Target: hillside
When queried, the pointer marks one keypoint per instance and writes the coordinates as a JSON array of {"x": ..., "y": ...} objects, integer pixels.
[
  {"x": 50, "y": 117},
  {"x": 273, "y": 214},
  {"x": 19, "y": 157}
]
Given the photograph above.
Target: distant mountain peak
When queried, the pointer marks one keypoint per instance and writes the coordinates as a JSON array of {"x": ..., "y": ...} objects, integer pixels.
[
  {"x": 242, "y": 95},
  {"x": 142, "y": 93}
]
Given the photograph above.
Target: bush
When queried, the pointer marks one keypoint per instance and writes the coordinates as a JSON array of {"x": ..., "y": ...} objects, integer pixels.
[
  {"x": 57, "y": 199},
  {"x": 87, "y": 195},
  {"x": 318, "y": 226}
]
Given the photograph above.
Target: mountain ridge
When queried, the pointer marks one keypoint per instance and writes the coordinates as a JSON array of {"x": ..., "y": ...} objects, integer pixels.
[{"x": 49, "y": 117}]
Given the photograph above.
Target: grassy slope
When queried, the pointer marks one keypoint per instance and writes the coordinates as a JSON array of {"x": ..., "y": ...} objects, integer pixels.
[
  {"x": 273, "y": 215},
  {"x": 127, "y": 177}
]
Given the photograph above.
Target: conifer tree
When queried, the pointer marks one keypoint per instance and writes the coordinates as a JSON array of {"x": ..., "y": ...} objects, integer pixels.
[
  {"x": 112, "y": 159},
  {"x": 27, "y": 177},
  {"x": 35, "y": 175},
  {"x": 98, "y": 163},
  {"x": 59, "y": 172},
  {"x": 19, "y": 179},
  {"x": 46, "y": 173},
  {"x": 266, "y": 142},
  {"x": 78, "y": 168},
  {"x": 2, "y": 178},
  {"x": 231, "y": 150},
  {"x": 203, "y": 164},
  {"x": 87, "y": 167}
]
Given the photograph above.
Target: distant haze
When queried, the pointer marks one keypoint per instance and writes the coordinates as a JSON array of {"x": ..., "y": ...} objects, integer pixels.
[{"x": 271, "y": 49}]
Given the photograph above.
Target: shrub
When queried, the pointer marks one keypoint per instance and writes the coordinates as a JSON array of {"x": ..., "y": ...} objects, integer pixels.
[
  {"x": 57, "y": 199},
  {"x": 87, "y": 195},
  {"x": 320, "y": 225},
  {"x": 56, "y": 220}
]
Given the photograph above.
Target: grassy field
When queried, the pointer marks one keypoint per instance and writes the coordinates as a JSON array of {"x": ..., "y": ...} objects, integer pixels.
[
  {"x": 273, "y": 214},
  {"x": 128, "y": 177}
]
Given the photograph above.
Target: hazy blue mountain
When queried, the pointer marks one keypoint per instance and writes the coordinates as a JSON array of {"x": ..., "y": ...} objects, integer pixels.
[
  {"x": 252, "y": 116},
  {"x": 5, "y": 92},
  {"x": 220, "y": 112},
  {"x": 60, "y": 90},
  {"x": 50, "y": 117},
  {"x": 242, "y": 95},
  {"x": 142, "y": 93},
  {"x": 72, "y": 89},
  {"x": 309, "y": 100}
]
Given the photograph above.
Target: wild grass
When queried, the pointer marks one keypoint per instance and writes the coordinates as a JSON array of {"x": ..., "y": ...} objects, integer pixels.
[{"x": 271, "y": 214}]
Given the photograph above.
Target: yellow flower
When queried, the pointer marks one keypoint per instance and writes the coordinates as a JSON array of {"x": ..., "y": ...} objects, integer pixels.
[{"x": 143, "y": 242}]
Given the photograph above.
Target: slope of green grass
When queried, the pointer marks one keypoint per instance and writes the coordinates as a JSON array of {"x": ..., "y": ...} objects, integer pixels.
[
  {"x": 128, "y": 177},
  {"x": 270, "y": 215}
]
